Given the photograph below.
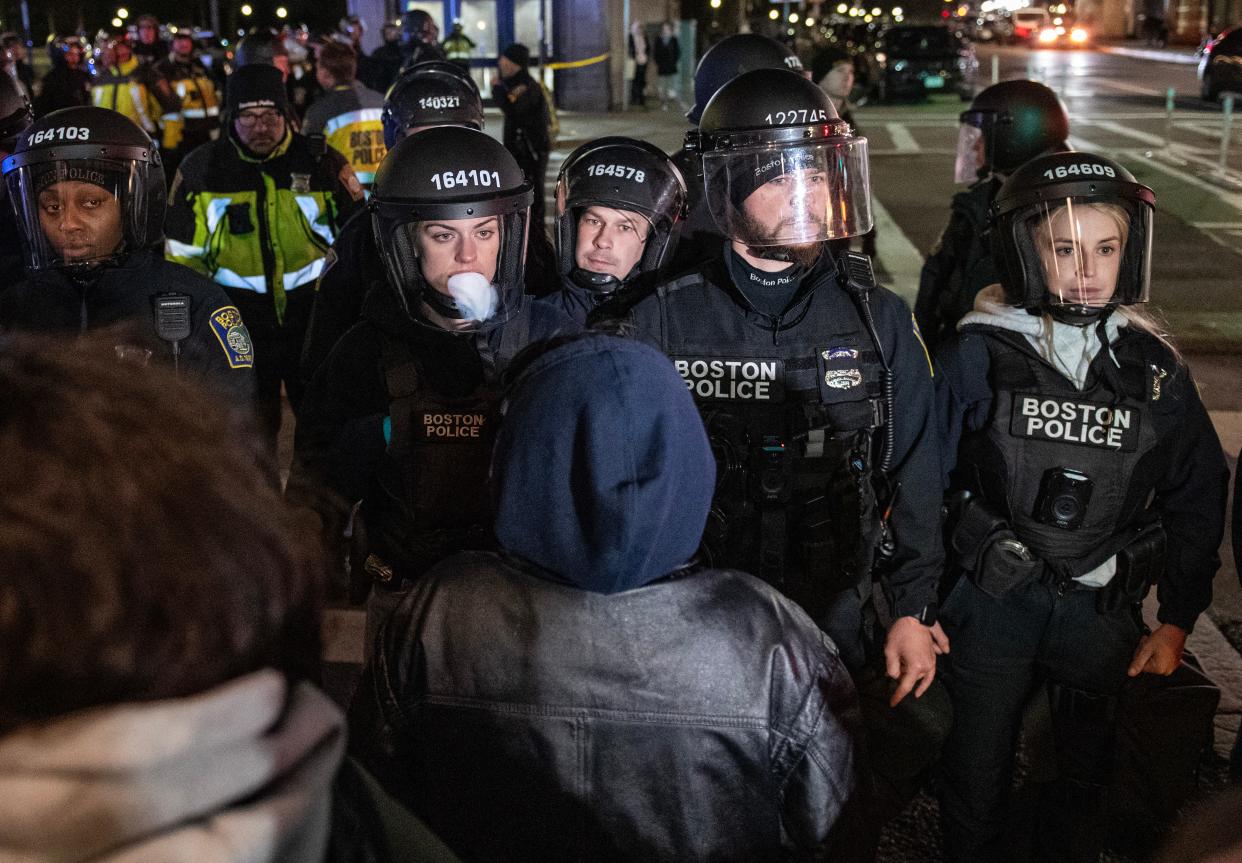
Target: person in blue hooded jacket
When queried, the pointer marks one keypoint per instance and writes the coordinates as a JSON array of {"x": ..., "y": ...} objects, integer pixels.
[{"x": 586, "y": 693}]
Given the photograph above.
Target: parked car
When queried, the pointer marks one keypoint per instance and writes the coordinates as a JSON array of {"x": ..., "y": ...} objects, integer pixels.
[
  {"x": 917, "y": 60},
  {"x": 1220, "y": 65}
]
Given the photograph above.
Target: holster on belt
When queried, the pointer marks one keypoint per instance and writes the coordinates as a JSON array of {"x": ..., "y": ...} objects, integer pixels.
[
  {"x": 1139, "y": 564},
  {"x": 974, "y": 530},
  {"x": 1001, "y": 571}
]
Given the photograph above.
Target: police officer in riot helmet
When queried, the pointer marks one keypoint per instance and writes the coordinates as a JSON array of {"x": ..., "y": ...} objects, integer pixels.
[
  {"x": 724, "y": 61},
  {"x": 796, "y": 360},
  {"x": 88, "y": 191},
  {"x": 400, "y": 414},
  {"x": 431, "y": 94},
  {"x": 15, "y": 116},
  {"x": 1082, "y": 469},
  {"x": 420, "y": 39},
  {"x": 1007, "y": 125},
  {"x": 618, "y": 202}
]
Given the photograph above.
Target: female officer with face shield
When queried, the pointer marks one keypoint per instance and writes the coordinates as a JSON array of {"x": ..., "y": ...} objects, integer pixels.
[
  {"x": 1082, "y": 468},
  {"x": 400, "y": 414}
]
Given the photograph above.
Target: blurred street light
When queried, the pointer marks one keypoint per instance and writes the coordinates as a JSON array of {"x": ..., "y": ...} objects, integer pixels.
[
  {"x": 122, "y": 13},
  {"x": 282, "y": 12},
  {"x": 246, "y": 10}
]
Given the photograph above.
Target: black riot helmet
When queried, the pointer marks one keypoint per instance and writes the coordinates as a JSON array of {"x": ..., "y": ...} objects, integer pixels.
[
  {"x": 418, "y": 26},
  {"x": 1072, "y": 234},
  {"x": 61, "y": 164},
  {"x": 260, "y": 46},
  {"x": 15, "y": 113},
  {"x": 434, "y": 93},
  {"x": 1008, "y": 124},
  {"x": 451, "y": 200},
  {"x": 780, "y": 168},
  {"x": 620, "y": 174},
  {"x": 730, "y": 57}
]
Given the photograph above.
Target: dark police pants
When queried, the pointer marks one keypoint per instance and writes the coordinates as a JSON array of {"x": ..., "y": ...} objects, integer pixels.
[
  {"x": 903, "y": 742},
  {"x": 1000, "y": 650}
]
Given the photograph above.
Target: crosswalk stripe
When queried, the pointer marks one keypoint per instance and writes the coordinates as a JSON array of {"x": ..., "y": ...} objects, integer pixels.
[
  {"x": 1125, "y": 132},
  {"x": 902, "y": 139},
  {"x": 897, "y": 254}
]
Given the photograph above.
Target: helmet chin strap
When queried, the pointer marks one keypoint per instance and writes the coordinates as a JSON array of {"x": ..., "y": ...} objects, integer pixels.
[
  {"x": 771, "y": 253},
  {"x": 600, "y": 283},
  {"x": 443, "y": 305},
  {"x": 1080, "y": 316}
]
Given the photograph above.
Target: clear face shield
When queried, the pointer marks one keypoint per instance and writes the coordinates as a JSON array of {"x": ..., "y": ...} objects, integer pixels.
[
  {"x": 971, "y": 162},
  {"x": 80, "y": 212},
  {"x": 771, "y": 195},
  {"x": 462, "y": 275},
  {"x": 1088, "y": 253}
]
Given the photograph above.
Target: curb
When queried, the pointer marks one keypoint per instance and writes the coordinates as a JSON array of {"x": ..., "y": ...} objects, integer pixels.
[{"x": 1156, "y": 54}]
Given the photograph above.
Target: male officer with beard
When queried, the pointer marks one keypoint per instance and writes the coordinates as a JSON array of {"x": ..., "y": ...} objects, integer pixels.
[
  {"x": 618, "y": 201},
  {"x": 797, "y": 360}
]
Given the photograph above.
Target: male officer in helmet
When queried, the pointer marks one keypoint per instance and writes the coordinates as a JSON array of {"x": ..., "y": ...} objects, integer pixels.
[
  {"x": 724, "y": 61},
  {"x": 818, "y": 396},
  {"x": 1006, "y": 126},
  {"x": 401, "y": 413},
  {"x": 16, "y": 115},
  {"x": 88, "y": 190},
  {"x": 618, "y": 202}
]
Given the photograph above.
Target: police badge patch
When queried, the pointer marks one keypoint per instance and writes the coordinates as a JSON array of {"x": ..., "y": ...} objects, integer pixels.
[
  {"x": 226, "y": 323},
  {"x": 843, "y": 379},
  {"x": 300, "y": 183}
]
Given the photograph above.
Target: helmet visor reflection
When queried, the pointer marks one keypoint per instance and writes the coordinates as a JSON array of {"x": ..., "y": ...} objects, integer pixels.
[
  {"x": 772, "y": 195},
  {"x": 971, "y": 158},
  {"x": 79, "y": 212},
  {"x": 1089, "y": 253}
]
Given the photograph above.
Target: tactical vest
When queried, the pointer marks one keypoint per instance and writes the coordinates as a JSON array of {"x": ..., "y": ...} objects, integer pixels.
[
  {"x": 434, "y": 475},
  {"x": 1068, "y": 468},
  {"x": 792, "y": 427}
]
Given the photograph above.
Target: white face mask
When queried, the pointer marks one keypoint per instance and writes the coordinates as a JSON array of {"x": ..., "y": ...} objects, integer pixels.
[{"x": 475, "y": 296}]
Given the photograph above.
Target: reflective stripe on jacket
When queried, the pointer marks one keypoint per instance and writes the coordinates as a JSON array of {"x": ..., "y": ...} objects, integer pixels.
[{"x": 259, "y": 225}]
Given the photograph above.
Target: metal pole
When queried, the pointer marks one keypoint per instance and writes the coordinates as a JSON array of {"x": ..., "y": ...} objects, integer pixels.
[
  {"x": 625, "y": 53},
  {"x": 995, "y": 69},
  {"x": 1169, "y": 97},
  {"x": 26, "y": 23},
  {"x": 1225, "y": 132},
  {"x": 215, "y": 17}
]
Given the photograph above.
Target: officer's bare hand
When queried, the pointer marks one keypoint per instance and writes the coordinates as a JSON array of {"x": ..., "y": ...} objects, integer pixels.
[
  {"x": 1159, "y": 653},
  {"x": 910, "y": 656}
]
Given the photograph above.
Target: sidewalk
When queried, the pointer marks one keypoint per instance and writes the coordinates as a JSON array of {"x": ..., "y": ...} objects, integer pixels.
[{"x": 1182, "y": 54}]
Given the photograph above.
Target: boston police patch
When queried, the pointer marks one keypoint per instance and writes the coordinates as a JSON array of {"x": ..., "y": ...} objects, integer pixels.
[
  {"x": 226, "y": 323},
  {"x": 752, "y": 379},
  {"x": 1105, "y": 426}
]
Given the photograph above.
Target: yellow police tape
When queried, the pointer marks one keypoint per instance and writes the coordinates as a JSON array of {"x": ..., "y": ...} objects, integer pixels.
[{"x": 577, "y": 64}]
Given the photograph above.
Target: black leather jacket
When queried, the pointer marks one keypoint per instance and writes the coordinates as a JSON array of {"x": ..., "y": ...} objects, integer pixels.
[{"x": 701, "y": 717}]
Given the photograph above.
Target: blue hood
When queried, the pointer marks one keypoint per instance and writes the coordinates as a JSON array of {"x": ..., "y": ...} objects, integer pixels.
[{"x": 602, "y": 473}]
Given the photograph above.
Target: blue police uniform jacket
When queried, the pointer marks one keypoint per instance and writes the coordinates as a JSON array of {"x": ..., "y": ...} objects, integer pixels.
[{"x": 817, "y": 353}]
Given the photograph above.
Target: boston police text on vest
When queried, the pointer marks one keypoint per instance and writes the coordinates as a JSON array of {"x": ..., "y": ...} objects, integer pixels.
[
  {"x": 1073, "y": 422},
  {"x": 442, "y": 426},
  {"x": 717, "y": 378}
]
